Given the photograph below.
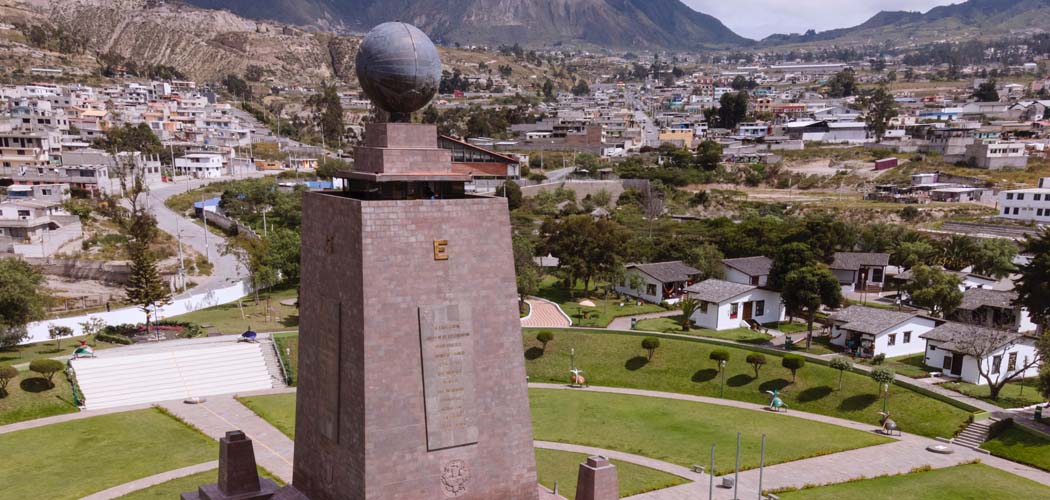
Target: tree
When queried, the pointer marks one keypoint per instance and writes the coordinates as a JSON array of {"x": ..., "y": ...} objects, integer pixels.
[
  {"x": 789, "y": 258},
  {"x": 689, "y": 306},
  {"x": 512, "y": 192},
  {"x": 544, "y": 337},
  {"x": 145, "y": 287},
  {"x": 47, "y": 368},
  {"x": 130, "y": 138},
  {"x": 994, "y": 257},
  {"x": 986, "y": 92},
  {"x": 328, "y": 109},
  {"x": 707, "y": 259},
  {"x": 708, "y": 155},
  {"x": 809, "y": 288},
  {"x": 650, "y": 344},
  {"x": 720, "y": 357},
  {"x": 843, "y": 84},
  {"x": 793, "y": 362},
  {"x": 757, "y": 361},
  {"x": 57, "y": 332},
  {"x": 842, "y": 364},
  {"x": 1033, "y": 287},
  {"x": 732, "y": 109},
  {"x": 586, "y": 248},
  {"x": 7, "y": 374},
  {"x": 581, "y": 88},
  {"x": 908, "y": 254},
  {"x": 884, "y": 377},
  {"x": 956, "y": 252},
  {"x": 254, "y": 254},
  {"x": 92, "y": 327},
  {"x": 988, "y": 345},
  {"x": 528, "y": 274},
  {"x": 880, "y": 107},
  {"x": 934, "y": 289},
  {"x": 1044, "y": 382},
  {"x": 548, "y": 90},
  {"x": 22, "y": 300}
]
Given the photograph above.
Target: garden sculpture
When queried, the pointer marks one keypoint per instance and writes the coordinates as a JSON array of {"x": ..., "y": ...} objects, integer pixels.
[
  {"x": 577, "y": 378},
  {"x": 83, "y": 351},
  {"x": 888, "y": 424},
  {"x": 775, "y": 403}
]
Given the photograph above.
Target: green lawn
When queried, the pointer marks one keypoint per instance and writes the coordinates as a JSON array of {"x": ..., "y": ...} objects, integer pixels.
[
  {"x": 1021, "y": 445},
  {"x": 964, "y": 482},
  {"x": 277, "y": 409},
  {"x": 562, "y": 467},
  {"x": 28, "y": 352},
  {"x": 1013, "y": 395},
  {"x": 288, "y": 347},
  {"x": 172, "y": 489},
  {"x": 605, "y": 310},
  {"x": 72, "y": 459},
  {"x": 682, "y": 432},
  {"x": 672, "y": 324},
  {"x": 787, "y": 327},
  {"x": 913, "y": 366},
  {"x": 29, "y": 397},
  {"x": 682, "y": 366},
  {"x": 231, "y": 319}
]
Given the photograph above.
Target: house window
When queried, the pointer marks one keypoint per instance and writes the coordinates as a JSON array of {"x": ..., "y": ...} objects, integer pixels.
[
  {"x": 947, "y": 364},
  {"x": 1009, "y": 196},
  {"x": 996, "y": 361},
  {"x": 1020, "y": 196},
  {"x": 703, "y": 306},
  {"x": 907, "y": 337},
  {"x": 760, "y": 308},
  {"x": 876, "y": 275},
  {"x": 650, "y": 289},
  {"x": 1038, "y": 197},
  {"x": 1006, "y": 211},
  {"x": 754, "y": 281},
  {"x": 1011, "y": 362},
  {"x": 892, "y": 339},
  {"x": 1016, "y": 210},
  {"x": 733, "y": 310}
]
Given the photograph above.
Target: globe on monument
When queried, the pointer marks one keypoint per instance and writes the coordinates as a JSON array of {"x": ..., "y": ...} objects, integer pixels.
[{"x": 399, "y": 68}]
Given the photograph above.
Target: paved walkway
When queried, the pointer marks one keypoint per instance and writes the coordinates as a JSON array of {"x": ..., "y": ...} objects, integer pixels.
[
  {"x": 146, "y": 482},
  {"x": 624, "y": 323},
  {"x": 905, "y": 453},
  {"x": 220, "y": 414},
  {"x": 41, "y": 422},
  {"x": 545, "y": 314}
]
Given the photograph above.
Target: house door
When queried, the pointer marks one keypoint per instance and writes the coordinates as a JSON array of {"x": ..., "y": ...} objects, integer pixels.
[
  {"x": 749, "y": 310},
  {"x": 957, "y": 363}
]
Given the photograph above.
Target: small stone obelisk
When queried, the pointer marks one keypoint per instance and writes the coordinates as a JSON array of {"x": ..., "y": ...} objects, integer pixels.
[
  {"x": 238, "y": 476},
  {"x": 597, "y": 480}
]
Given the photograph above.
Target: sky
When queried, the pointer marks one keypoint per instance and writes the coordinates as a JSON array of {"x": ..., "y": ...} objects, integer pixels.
[{"x": 760, "y": 18}]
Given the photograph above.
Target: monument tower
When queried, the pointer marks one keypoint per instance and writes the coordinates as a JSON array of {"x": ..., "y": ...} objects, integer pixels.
[{"x": 411, "y": 376}]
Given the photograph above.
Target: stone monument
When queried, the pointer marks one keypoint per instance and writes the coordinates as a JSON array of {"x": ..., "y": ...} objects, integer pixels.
[
  {"x": 597, "y": 480},
  {"x": 238, "y": 476},
  {"x": 411, "y": 379}
]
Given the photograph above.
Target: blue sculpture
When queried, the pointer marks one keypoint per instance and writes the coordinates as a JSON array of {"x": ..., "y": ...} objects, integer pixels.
[{"x": 775, "y": 403}]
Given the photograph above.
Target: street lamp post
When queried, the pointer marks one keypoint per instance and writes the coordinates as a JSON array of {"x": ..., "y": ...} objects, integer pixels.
[
  {"x": 885, "y": 396},
  {"x": 722, "y": 368}
]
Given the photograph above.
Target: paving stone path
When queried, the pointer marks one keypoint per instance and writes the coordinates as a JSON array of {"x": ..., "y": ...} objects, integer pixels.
[
  {"x": 624, "y": 323},
  {"x": 545, "y": 314},
  {"x": 146, "y": 482}
]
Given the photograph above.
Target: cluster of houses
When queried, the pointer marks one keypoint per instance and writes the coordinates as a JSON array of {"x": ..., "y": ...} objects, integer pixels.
[{"x": 743, "y": 299}]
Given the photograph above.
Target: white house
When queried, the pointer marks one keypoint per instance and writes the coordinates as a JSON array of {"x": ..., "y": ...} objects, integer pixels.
[
  {"x": 867, "y": 331},
  {"x": 748, "y": 270},
  {"x": 993, "y": 309},
  {"x": 1027, "y": 204},
  {"x": 946, "y": 343},
  {"x": 725, "y": 305},
  {"x": 860, "y": 272},
  {"x": 658, "y": 281},
  {"x": 200, "y": 165}
]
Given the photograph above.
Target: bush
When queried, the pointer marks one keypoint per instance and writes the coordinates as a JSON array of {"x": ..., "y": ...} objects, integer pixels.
[
  {"x": 650, "y": 344},
  {"x": 878, "y": 359},
  {"x": 756, "y": 360},
  {"x": 883, "y": 376},
  {"x": 544, "y": 337},
  {"x": 113, "y": 339},
  {"x": 47, "y": 368},
  {"x": 7, "y": 374},
  {"x": 793, "y": 362},
  {"x": 842, "y": 364}
]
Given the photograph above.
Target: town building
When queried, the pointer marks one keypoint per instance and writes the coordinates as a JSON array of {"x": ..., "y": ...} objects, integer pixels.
[
  {"x": 748, "y": 270},
  {"x": 725, "y": 305},
  {"x": 657, "y": 282},
  {"x": 948, "y": 347},
  {"x": 1030, "y": 205},
  {"x": 860, "y": 272},
  {"x": 867, "y": 331}
]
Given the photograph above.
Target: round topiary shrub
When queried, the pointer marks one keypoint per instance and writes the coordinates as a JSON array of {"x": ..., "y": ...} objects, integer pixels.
[
  {"x": 47, "y": 368},
  {"x": 793, "y": 362}
]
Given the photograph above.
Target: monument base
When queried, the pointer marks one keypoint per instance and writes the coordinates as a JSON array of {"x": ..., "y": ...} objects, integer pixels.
[{"x": 267, "y": 490}]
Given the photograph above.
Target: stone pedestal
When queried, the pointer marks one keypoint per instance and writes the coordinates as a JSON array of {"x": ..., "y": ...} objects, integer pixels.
[
  {"x": 597, "y": 480},
  {"x": 238, "y": 475}
]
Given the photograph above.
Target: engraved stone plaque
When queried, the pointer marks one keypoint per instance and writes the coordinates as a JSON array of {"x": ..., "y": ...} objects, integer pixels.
[{"x": 447, "y": 347}]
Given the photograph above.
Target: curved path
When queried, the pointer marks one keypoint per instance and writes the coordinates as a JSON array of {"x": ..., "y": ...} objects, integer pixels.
[
  {"x": 545, "y": 314},
  {"x": 901, "y": 456}
]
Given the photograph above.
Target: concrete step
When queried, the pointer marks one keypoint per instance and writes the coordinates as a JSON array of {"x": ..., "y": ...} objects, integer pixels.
[{"x": 273, "y": 365}]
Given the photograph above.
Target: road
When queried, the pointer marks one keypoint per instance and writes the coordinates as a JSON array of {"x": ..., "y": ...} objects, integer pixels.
[{"x": 650, "y": 132}]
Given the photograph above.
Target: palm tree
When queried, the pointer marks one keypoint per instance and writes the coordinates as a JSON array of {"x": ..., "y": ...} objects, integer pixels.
[{"x": 689, "y": 307}]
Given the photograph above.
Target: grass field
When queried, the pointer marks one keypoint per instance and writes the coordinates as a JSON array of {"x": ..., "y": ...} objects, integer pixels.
[
  {"x": 605, "y": 310},
  {"x": 682, "y": 432},
  {"x": 964, "y": 482},
  {"x": 172, "y": 489},
  {"x": 672, "y": 324},
  {"x": 28, "y": 352},
  {"x": 1013, "y": 395},
  {"x": 1021, "y": 445},
  {"x": 29, "y": 397},
  {"x": 72, "y": 459},
  {"x": 277, "y": 409},
  {"x": 683, "y": 366},
  {"x": 913, "y": 366},
  {"x": 228, "y": 318},
  {"x": 562, "y": 467}
]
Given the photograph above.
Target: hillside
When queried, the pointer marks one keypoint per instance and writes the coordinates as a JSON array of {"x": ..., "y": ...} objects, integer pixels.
[
  {"x": 607, "y": 23},
  {"x": 970, "y": 19}
]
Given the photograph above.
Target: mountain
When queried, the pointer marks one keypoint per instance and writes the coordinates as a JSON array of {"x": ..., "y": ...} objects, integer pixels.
[
  {"x": 973, "y": 18},
  {"x": 608, "y": 23}
]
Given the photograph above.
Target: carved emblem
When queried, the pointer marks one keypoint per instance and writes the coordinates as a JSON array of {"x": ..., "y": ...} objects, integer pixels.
[{"x": 454, "y": 478}]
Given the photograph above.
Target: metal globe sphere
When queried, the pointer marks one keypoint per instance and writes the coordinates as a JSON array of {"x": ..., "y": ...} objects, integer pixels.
[{"x": 399, "y": 68}]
